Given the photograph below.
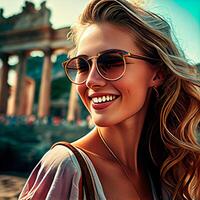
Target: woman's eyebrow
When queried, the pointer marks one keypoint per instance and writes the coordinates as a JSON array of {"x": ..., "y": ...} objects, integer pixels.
[
  {"x": 100, "y": 52},
  {"x": 84, "y": 55}
]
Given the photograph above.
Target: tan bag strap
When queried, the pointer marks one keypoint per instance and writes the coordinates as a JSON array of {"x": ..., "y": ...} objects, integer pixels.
[{"x": 86, "y": 175}]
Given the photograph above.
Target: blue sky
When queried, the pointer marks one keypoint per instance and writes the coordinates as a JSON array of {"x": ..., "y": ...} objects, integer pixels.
[{"x": 183, "y": 15}]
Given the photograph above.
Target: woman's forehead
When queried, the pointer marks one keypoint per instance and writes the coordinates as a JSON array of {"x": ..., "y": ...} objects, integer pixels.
[{"x": 100, "y": 37}]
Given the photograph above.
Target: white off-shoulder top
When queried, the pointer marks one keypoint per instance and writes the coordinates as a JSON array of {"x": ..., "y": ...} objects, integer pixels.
[{"x": 57, "y": 176}]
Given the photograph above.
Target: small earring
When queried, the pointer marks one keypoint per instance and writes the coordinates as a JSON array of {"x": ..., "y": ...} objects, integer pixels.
[{"x": 156, "y": 91}]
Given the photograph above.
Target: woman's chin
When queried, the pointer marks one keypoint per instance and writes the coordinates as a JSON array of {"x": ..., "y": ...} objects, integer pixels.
[{"x": 103, "y": 122}]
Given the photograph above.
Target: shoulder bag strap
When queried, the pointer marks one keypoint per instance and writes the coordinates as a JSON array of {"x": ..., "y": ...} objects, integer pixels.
[{"x": 86, "y": 175}]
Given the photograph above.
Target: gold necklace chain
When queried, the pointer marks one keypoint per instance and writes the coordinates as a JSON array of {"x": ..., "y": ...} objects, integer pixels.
[{"x": 122, "y": 166}]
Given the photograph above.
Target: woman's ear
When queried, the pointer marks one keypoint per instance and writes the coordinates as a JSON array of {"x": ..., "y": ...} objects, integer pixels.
[{"x": 158, "y": 78}]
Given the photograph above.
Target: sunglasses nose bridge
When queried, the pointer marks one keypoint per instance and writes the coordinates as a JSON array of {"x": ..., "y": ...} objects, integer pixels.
[
  {"x": 94, "y": 78},
  {"x": 93, "y": 59},
  {"x": 92, "y": 64}
]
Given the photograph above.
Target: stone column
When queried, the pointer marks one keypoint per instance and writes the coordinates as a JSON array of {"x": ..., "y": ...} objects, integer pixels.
[
  {"x": 4, "y": 88},
  {"x": 30, "y": 92},
  {"x": 72, "y": 105},
  {"x": 45, "y": 88},
  {"x": 20, "y": 84}
]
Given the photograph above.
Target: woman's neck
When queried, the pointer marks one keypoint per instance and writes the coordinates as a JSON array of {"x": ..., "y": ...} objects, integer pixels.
[{"x": 123, "y": 139}]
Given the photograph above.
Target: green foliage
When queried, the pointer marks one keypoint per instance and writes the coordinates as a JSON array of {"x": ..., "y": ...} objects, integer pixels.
[
  {"x": 59, "y": 87},
  {"x": 22, "y": 146}
]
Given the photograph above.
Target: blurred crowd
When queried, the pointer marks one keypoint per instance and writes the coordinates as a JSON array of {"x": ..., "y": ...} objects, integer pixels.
[{"x": 49, "y": 120}]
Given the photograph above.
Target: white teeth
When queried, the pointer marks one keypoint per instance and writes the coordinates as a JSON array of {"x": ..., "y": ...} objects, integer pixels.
[
  {"x": 95, "y": 100},
  {"x": 103, "y": 98},
  {"x": 99, "y": 100}
]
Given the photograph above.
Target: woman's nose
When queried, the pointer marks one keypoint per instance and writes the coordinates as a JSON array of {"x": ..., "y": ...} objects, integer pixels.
[{"x": 94, "y": 79}]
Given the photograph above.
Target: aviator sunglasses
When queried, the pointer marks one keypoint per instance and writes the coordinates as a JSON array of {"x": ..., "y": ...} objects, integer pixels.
[{"x": 110, "y": 64}]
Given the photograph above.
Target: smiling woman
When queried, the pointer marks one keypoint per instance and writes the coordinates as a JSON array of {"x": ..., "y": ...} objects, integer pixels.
[{"x": 143, "y": 98}]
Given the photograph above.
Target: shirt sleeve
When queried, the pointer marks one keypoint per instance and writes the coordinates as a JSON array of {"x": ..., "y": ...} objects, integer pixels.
[{"x": 56, "y": 176}]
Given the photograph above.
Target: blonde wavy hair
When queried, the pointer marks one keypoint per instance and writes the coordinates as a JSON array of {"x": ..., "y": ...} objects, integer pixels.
[{"x": 171, "y": 136}]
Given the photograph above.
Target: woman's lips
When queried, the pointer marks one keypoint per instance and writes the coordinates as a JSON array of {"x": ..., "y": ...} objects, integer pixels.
[{"x": 102, "y": 105}]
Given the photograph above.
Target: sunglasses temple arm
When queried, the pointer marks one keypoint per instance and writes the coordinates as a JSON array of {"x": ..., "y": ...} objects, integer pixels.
[{"x": 144, "y": 58}]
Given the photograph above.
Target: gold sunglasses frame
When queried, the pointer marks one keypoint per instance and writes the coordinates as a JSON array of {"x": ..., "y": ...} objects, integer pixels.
[{"x": 122, "y": 53}]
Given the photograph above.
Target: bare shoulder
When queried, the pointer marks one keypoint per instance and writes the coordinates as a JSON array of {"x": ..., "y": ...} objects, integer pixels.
[{"x": 90, "y": 143}]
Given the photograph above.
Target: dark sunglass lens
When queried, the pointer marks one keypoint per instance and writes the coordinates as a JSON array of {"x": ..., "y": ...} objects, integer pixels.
[
  {"x": 77, "y": 70},
  {"x": 111, "y": 65}
]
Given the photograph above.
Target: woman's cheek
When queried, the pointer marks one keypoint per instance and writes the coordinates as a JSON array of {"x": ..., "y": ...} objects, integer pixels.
[{"x": 82, "y": 94}]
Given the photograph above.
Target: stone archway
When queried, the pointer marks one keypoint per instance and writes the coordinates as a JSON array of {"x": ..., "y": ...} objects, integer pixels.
[{"x": 21, "y": 34}]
